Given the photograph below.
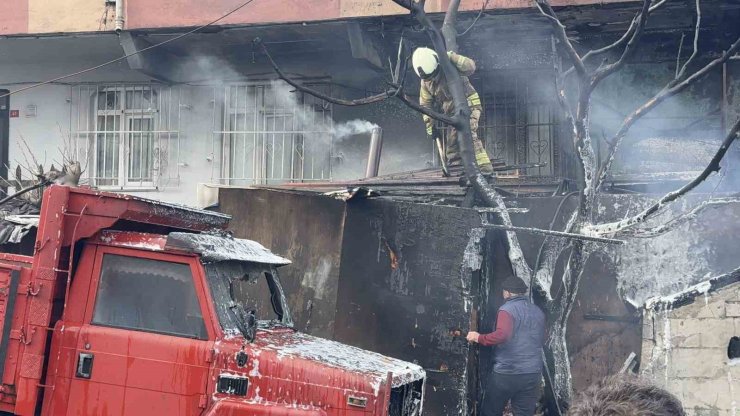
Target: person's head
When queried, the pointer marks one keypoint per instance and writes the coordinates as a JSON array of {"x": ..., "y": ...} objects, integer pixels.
[
  {"x": 425, "y": 62},
  {"x": 513, "y": 286},
  {"x": 626, "y": 396}
]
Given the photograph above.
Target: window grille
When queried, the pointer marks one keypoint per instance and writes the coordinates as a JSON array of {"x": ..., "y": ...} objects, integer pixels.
[
  {"x": 267, "y": 133},
  {"x": 519, "y": 125},
  {"x": 127, "y": 136}
]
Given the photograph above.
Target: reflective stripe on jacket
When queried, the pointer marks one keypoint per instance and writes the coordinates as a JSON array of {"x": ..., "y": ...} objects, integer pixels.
[{"x": 434, "y": 93}]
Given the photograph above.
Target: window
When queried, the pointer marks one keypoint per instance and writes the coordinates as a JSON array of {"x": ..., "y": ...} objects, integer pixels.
[
  {"x": 238, "y": 285},
  {"x": 148, "y": 295},
  {"x": 269, "y": 134},
  {"x": 520, "y": 122},
  {"x": 127, "y": 136},
  {"x": 519, "y": 125},
  {"x": 125, "y": 140}
]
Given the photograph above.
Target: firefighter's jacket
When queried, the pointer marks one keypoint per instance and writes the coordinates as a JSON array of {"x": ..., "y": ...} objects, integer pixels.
[{"x": 435, "y": 94}]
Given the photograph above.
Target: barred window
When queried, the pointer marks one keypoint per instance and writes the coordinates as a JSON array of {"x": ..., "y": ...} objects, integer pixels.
[
  {"x": 268, "y": 133},
  {"x": 126, "y": 135}
]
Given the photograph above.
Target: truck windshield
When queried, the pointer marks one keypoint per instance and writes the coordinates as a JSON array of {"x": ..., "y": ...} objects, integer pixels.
[{"x": 239, "y": 287}]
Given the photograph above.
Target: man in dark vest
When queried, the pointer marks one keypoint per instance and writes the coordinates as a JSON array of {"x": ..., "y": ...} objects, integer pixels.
[{"x": 519, "y": 337}]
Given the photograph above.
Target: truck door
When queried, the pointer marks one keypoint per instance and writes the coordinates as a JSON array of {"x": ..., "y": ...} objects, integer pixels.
[{"x": 144, "y": 346}]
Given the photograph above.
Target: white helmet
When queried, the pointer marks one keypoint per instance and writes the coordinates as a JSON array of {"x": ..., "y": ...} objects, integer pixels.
[{"x": 425, "y": 62}]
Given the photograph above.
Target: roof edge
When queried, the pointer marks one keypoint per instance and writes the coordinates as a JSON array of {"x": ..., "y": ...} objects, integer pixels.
[{"x": 688, "y": 295}]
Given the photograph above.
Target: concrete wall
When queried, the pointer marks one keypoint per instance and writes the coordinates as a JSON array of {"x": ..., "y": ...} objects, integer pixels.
[
  {"x": 685, "y": 351},
  {"x": 405, "y": 146},
  {"x": 47, "y": 132}
]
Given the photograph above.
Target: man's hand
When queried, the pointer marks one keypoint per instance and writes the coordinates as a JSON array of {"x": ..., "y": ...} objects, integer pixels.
[
  {"x": 473, "y": 336},
  {"x": 433, "y": 134}
]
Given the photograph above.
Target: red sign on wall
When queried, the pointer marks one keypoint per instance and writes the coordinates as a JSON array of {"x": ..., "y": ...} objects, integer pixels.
[{"x": 15, "y": 113}]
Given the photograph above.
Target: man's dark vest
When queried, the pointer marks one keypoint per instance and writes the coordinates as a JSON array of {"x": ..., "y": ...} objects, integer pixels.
[{"x": 522, "y": 353}]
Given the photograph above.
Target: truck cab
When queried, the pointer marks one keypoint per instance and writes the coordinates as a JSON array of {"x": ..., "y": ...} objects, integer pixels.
[{"x": 150, "y": 309}]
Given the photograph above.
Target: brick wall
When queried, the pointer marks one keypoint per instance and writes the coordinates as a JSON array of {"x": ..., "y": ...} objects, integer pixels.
[{"x": 685, "y": 351}]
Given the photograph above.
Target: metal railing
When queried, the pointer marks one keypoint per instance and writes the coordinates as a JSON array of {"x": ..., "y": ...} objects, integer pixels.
[{"x": 265, "y": 133}]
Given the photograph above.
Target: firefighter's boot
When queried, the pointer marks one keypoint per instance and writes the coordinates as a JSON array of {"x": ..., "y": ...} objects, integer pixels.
[{"x": 484, "y": 163}]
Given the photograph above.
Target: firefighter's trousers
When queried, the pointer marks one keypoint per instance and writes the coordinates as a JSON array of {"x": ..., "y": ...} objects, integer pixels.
[{"x": 453, "y": 146}]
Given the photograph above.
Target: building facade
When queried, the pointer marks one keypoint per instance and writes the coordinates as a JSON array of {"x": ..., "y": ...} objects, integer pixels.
[{"x": 208, "y": 109}]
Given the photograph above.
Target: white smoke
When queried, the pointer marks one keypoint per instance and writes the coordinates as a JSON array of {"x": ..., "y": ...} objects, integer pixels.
[{"x": 351, "y": 128}]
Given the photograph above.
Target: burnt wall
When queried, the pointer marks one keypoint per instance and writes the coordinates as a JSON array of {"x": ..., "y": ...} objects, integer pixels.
[
  {"x": 396, "y": 278},
  {"x": 602, "y": 329},
  {"x": 408, "y": 277},
  {"x": 306, "y": 229}
]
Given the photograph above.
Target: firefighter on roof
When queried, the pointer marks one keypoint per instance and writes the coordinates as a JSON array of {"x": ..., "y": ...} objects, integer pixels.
[{"x": 435, "y": 94}]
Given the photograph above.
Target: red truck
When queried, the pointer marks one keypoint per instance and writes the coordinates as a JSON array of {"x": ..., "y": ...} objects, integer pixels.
[{"x": 135, "y": 307}]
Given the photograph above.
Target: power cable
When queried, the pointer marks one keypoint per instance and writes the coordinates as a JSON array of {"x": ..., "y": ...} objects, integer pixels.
[{"x": 113, "y": 61}]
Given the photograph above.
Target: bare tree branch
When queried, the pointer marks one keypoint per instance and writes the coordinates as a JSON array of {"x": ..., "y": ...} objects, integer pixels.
[
  {"x": 480, "y": 13},
  {"x": 448, "y": 26},
  {"x": 713, "y": 166},
  {"x": 621, "y": 41},
  {"x": 670, "y": 90},
  {"x": 560, "y": 86},
  {"x": 547, "y": 11},
  {"x": 395, "y": 91},
  {"x": 24, "y": 191},
  {"x": 674, "y": 223},
  {"x": 465, "y": 137},
  {"x": 678, "y": 55},
  {"x": 362, "y": 101},
  {"x": 629, "y": 50},
  {"x": 680, "y": 73},
  {"x": 560, "y": 234}
]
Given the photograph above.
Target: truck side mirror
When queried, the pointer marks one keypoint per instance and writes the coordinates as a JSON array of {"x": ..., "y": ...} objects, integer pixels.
[
  {"x": 246, "y": 320},
  {"x": 250, "y": 319}
]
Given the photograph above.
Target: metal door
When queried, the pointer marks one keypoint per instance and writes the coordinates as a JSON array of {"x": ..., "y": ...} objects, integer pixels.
[{"x": 145, "y": 347}]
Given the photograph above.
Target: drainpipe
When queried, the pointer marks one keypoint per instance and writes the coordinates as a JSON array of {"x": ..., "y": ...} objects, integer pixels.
[
  {"x": 4, "y": 135},
  {"x": 119, "y": 16},
  {"x": 373, "y": 157}
]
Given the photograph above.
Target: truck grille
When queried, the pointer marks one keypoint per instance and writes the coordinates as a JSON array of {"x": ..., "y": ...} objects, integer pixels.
[
  {"x": 406, "y": 400},
  {"x": 230, "y": 384}
]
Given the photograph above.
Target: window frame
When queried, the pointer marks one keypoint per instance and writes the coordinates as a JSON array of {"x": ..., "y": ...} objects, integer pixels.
[
  {"x": 125, "y": 116},
  {"x": 197, "y": 276},
  {"x": 297, "y": 164}
]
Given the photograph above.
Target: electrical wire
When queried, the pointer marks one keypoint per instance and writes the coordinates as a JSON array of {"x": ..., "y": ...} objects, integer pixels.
[
  {"x": 113, "y": 61},
  {"x": 482, "y": 9}
]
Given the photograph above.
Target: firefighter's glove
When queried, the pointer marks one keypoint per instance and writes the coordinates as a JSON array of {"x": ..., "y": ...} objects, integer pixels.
[{"x": 433, "y": 134}]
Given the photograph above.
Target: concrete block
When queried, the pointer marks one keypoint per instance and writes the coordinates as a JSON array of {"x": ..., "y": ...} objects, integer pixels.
[
  {"x": 732, "y": 309},
  {"x": 686, "y": 341},
  {"x": 648, "y": 328},
  {"x": 688, "y": 311},
  {"x": 686, "y": 327},
  {"x": 707, "y": 395},
  {"x": 698, "y": 362},
  {"x": 700, "y": 411},
  {"x": 714, "y": 333},
  {"x": 712, "y": 310}
]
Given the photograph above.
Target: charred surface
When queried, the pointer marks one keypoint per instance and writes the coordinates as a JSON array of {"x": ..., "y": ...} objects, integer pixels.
[
  {"x": 405, "y": 291},
  {"x": 308, "y": 230}
]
